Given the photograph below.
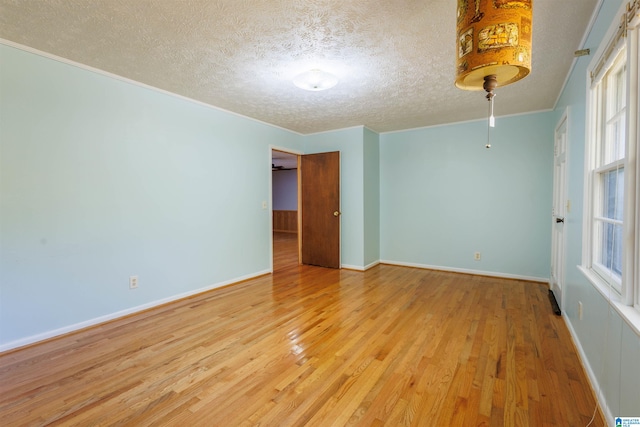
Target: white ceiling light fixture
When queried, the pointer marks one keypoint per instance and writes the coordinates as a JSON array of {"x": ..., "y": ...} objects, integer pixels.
[{"x": 315, "y": 80}]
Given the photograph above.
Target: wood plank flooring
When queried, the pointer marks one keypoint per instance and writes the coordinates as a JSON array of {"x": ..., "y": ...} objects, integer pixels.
[{"x": 312, "y": 346}]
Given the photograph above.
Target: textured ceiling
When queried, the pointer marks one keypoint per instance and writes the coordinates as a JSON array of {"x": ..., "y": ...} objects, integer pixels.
[{"x": 395, "y": 58}]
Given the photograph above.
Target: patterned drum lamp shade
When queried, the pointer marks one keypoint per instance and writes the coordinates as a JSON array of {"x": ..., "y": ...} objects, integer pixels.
[{"x": 494, "y": 39}]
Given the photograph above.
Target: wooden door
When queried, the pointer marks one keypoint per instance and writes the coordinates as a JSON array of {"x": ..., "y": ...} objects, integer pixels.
[{"x": 320, "y": 202}]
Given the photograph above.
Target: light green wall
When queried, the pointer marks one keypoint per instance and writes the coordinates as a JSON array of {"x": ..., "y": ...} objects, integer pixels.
[
  {"x": 350, "y": 144},
  {"x": 371, "y": 145},
  {"x": 444, "y": 196},
  {"x": 359, "y": 191},
  {"x": 101, "y": 179},
  {"x": 610, "y": 348}
]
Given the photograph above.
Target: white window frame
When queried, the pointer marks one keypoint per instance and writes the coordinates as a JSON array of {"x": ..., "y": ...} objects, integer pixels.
[
  {"x": 632, "y": 214},
  {"x": 598, "y": 166},
  {"x": 625, "y": 293}
]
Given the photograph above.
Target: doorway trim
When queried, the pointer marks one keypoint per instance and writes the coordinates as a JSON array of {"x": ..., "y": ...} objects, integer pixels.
[
  {"x": 560, "y": 208},
  {"x": 270, "y": 207}
]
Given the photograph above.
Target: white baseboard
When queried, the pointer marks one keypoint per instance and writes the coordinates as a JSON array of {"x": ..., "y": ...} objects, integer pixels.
[
  {"x": 359, "y": 268},
  {"x": 112, "y": 316},
  {"x": 352, "y": 267},
  {"x": 373, "y": 264},
  {"x": 468, "y": 271},
  {"x": 606, "y": 411}
]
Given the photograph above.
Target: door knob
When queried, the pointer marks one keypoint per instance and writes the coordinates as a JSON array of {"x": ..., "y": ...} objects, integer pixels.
[
  {"x": 559, "y": 220},
  {"x": 336, "y": 213}
]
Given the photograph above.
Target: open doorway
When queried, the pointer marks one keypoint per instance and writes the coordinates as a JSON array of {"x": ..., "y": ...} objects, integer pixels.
[
  {"x": 305, "y": 209},
  {"x": 284, "y": 209}
]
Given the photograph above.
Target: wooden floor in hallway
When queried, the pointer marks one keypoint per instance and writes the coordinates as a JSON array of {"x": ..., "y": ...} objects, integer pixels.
[{"x": 312, "y": 346}]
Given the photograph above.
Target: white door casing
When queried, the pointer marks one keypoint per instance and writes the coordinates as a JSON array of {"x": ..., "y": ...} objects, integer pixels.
[{"x": 559, "y": 210}]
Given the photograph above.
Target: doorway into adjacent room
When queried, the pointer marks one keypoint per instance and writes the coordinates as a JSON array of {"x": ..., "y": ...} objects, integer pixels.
[
  {"x": 284, "y": 206},
  {"x": 305, "y": 209}
]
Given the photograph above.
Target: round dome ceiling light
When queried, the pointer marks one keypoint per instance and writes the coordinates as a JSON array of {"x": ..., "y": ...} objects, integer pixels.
[{"x": 315, "y": 80}]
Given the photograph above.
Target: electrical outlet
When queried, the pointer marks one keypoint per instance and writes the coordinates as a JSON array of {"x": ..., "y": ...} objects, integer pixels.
[
  {"x": 477, "y": 256},
  {"x": 133, "y": 282},
  {"x": 580, "y": 310}
]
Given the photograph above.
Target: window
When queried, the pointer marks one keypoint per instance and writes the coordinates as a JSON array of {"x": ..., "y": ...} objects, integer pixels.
[
  {"x": 611, "y": 244},
  {"x": 609, "y": 102}
]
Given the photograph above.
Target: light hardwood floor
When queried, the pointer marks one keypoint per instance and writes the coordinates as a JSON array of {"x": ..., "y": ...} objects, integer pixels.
[{"x": 313, "y": 346}]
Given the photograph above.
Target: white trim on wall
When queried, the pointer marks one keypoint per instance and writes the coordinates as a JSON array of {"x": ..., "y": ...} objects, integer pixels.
[
  {"x": 359, "y": 268},
  {"x": 585, "y": 36},
  {"x": 467, "y": 271},
  {"x": 584, "y": 360},
  {"x": 546, "y": 110},
  {"x": 133, "y": 82},
  {"x": 12, "y": 345}
]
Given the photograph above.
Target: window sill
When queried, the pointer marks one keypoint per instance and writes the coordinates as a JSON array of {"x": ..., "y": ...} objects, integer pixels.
[{"x": 628, "y": 313}]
